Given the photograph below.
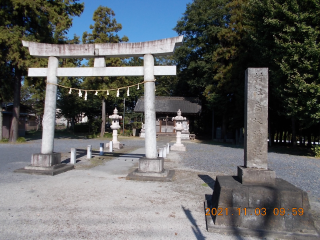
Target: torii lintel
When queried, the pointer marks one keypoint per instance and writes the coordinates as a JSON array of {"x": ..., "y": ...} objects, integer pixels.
[{"x": 157, "y": 48}]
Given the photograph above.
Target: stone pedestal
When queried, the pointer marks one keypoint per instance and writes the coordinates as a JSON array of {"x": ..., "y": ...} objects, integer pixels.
[
  {"x": 279, "y": 211},
  {"x": 256, "y": 176},
  {"x": 178, "y": 147},
  {"x": 46, "y": 164},
  {"x": 151, "y": 170},
  {"x": 45, "y": 160},
  {"x": 147, "y": 165}
]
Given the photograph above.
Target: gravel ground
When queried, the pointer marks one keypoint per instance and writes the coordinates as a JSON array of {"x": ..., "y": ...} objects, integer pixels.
[
  {"x": 303, "y": 172},
  {"x": 98, "y": 203}
]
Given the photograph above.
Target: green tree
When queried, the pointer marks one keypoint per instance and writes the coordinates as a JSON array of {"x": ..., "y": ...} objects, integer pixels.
[
  {"x": 104, "y": 31},
  {"x": 41, "y": 21},
  {"x": 212, "y": 60},
  {"x": 69, "y": 103},
  {"x": 286, "y": 35}
]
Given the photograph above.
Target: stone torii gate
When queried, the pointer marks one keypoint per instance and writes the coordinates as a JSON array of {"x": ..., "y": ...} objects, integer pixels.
[{"x": 50, "y": 161}]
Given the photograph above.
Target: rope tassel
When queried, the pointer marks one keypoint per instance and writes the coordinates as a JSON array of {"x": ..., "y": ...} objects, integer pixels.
[
  {"x": 80, "y": 93},
  {"x": 70, "y": 90},
  {"x": 85, "y": 96},
  {"x": 128, "y": 94},
  {"x": 118, "y": 92}
]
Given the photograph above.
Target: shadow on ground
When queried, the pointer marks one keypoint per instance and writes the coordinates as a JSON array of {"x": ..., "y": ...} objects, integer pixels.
[
  {"x": 83, "y": 152},
  {"x": 196, "y": 230}
]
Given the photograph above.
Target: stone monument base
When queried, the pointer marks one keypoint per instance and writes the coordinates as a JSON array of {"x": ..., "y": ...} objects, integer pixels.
[
  {"x": 256, "y": 176},
  {"x": 178, "y": 147},
  {"x": 46, "y": 164},
  {"x": 281, "y": 210}
]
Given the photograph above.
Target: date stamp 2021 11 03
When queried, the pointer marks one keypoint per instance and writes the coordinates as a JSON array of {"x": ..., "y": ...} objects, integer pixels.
[{"x": 257, "y": 211}]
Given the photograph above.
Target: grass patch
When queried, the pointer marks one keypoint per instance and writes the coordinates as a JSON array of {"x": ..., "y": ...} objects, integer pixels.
[
  {"x": 4, "y": 140},
  {"x": 316, "y": 151},
  {"x": 204, "y": 185},
  {"x": 21, "y": 140}
]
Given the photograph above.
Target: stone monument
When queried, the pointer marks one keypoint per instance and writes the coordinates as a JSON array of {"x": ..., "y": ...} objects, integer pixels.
[
  {"x": 256, "y": 202},
  {"x": 115, "y": 126},
  {"x": 98, "y": 51},
  {"x": 178, "y": 146}
]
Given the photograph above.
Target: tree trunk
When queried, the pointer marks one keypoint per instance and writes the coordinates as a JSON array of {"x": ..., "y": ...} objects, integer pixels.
[
  {"x": 224, "y": 127},
  {"x": 72, "y": 123},
  {"x": 212, "y": 124},
  {"x": 294, "y": 140},
  {"x": 1, "y": 120},
  {"x": 309, "y": 139},
  {"x": 280, "y": 136},
  {"x": 285, "y": 138},
  {"x": 14, "y": 129},
  {"x": 103, "y": 124}
]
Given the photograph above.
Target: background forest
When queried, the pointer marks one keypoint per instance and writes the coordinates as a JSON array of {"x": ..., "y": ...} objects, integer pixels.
[{"x": 222, "y": 38}]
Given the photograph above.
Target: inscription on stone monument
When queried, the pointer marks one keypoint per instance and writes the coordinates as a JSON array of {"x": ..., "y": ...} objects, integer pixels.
[{"x": 256, "y": 118}]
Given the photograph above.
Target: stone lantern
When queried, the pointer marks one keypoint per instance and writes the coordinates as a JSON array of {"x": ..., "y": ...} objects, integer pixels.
[
  {"x": 178, "y": 146},
  {"x": 115, "y": 126}
]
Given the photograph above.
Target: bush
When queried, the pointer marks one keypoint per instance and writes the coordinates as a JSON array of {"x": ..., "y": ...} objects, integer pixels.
[
  {"x": 108, "y": 135},
  {"x": 94, "y": 135},
  {"x": 4, "y": 140},
  {"x": 316, "y": 150},
  {"x": 21, "y": 140},
  {"x": 127, "y": 132},
  {"x": 136, "y": 125},
  {"x": 81, "y": 128}
]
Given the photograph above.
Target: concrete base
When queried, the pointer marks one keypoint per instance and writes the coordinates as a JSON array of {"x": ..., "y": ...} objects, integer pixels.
[
  {"x": 260, "y": 209},
  {"x": 164, "y": 176},
  {"x": 147, "y": 165},
  {"x": 256, "y": 176},
  {"x": 45, "y": 160},
  {"x": 178, "y": 147},
  {"x": 52, "y": 170}
]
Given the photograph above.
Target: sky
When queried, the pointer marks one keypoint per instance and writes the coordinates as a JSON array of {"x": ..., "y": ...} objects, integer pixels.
[{"x": 141, "y": 20}]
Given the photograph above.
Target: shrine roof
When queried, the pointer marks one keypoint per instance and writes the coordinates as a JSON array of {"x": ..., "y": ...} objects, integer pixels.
[{"x": 164, "y": 104}]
